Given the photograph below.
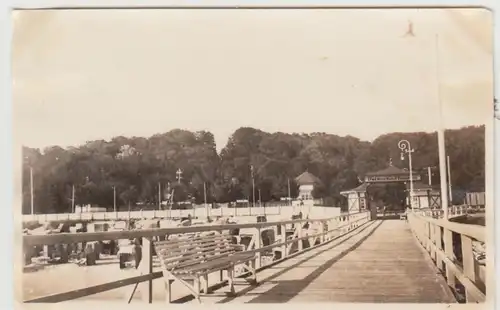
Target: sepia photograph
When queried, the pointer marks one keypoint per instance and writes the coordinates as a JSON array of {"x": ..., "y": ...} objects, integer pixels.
[{"x": 251, "y": 155}]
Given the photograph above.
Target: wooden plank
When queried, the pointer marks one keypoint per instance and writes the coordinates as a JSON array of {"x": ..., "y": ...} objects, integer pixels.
[
  {"x": 358, "y": 267},
  {"x": 190, "y": 239},
  {"x": 91, "y": 290},
  {"x": 206, "y": 248}
]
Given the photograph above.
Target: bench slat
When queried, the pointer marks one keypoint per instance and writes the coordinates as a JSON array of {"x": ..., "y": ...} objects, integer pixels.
[
  {"x": 208, "y": 248},
  {"x": 193, "y": 256},
  {"x": 191, "y": 245},
  {"x": 187, "y": 239},
  {"x": 195, "y": 260},
  {"x": 226, "y": 261}
]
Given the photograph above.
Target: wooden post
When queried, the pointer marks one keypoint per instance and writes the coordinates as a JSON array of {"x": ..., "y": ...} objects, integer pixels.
[
  {"x": 448, "y": 249},
  {"x": 468, "y": 263},
  {"x": 432, "y": 250},
  {"x": 299, "y": 235},
  {"x": 428, "y": 238},
  {"x": 439, "y": 248},
  {"x": 322, "y": 228},
  {"x": 146, "y": 267},
  {"x": 258, "y": 245},
  {"x": 283, "y": 239},
  {"x": 63, "y": 251}
]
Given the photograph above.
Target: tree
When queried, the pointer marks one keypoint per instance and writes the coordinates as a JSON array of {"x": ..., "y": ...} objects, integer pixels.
[
  {"x": 135, "y": 166},
  {"x": 129, "y": 196}
]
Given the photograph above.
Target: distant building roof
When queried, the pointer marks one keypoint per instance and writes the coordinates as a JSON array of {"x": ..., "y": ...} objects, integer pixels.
[
  {"x": 391, "y": 170},
  {"x": 360, "y": 189},
  {"x": 307, "y": 178}
]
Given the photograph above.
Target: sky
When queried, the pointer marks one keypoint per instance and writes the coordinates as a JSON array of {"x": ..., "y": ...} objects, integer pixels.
[{"x": 83, "y": 75}]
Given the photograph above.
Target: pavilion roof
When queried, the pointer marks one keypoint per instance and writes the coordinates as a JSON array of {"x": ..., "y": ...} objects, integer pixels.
[{"x": 307, "y": 178}]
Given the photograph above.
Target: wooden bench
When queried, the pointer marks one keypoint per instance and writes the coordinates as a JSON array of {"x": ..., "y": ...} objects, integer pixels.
[{"x": 190, "y": 260}]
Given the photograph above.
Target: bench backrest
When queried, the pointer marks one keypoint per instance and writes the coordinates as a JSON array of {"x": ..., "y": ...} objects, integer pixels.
[{"x": 187, "y": 251}]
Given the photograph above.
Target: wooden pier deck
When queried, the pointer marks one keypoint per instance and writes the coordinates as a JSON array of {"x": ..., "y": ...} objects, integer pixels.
[
  {"x": 379, "y": 262},
  {"x": 353, "y": 259}
]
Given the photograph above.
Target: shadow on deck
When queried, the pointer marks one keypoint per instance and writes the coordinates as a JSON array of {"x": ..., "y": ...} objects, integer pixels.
[{"x": 379, "y": 262}]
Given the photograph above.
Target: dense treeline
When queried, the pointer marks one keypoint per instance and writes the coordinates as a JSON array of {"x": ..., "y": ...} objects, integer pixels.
[{"x": 135, "y": 166}]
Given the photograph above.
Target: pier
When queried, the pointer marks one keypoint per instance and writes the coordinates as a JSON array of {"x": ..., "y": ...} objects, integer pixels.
[{"x": 355, "y": 258}]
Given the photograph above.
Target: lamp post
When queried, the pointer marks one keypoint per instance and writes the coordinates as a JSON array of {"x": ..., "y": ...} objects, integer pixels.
[
  {"x": 405, "y": 147},
  {"x": 179, "y": 175}
]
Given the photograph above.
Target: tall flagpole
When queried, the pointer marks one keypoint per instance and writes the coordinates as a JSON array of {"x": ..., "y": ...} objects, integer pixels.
[
  {"x": 253, "y": 187},
  {"x": 205, "y": 197},
  {"x": 73, "y": 199},
  {"x": 450, "y": 193},
  {"x": 159, "y": 196},
  {"x": 114, "y": 198},
  {"x": 441, "y": 139},
  {"x": 289, "y": 195},
  {"x": 32, "y": 192}
]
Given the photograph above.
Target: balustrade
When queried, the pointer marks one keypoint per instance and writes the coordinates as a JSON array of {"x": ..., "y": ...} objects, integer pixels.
[
  {"x": 456, "y": 249},
  {"x": 290, "y": 238}
]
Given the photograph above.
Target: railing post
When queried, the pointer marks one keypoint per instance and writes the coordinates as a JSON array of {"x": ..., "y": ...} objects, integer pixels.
[
  {"x": 428, "y": 238},
  {"x": 432, "y": 240},
  {"x": 283, "y": 239},
  {"x": 468, "y": 263},
  {"x": 258, "y": 245},
  {"x": 448, "y": 249},
  {"x": 322, "y": 230},
  {"x": 439, "y": 248},
  {"x": 146, "y": 267},
  {"x": 299, "y": 235}
]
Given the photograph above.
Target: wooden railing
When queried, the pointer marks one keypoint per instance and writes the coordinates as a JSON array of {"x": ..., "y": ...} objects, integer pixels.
[
  {"x": 291, "y": 238},
  {"x": 450, "y": 245},
  {"x": 201, "y": 212},
  {"x": 453, "y": 211}
]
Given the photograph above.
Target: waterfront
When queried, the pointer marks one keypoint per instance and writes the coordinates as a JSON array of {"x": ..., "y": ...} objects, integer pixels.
[{"x": 474, "y": 219}]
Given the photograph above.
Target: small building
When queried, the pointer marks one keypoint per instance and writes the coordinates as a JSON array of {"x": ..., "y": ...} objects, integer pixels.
[
  {"x": 424, "y": 196},
  {"x": 356, "y": 198},
  {"x": 307, "y": 182}
]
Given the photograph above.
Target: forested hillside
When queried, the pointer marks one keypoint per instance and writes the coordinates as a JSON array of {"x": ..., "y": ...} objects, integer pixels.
[{"x": 135, "y": 166}]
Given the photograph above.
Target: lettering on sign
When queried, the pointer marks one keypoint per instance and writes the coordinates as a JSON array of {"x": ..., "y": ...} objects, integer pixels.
[{"x": 391, "y": 178}]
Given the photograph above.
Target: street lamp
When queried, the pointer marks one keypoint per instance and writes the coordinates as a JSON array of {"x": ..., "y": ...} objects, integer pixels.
[{"x": 405, "y": 147}]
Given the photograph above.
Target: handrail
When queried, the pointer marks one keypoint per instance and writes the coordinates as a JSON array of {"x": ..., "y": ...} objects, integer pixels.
[
  {"x": 67, "y": 238},
  {"x": 319, "y": 232},
  {"x": 455, "y": 259},
  {"x": 474, "y": 231},
  {"x": 453, "y": 211}
]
